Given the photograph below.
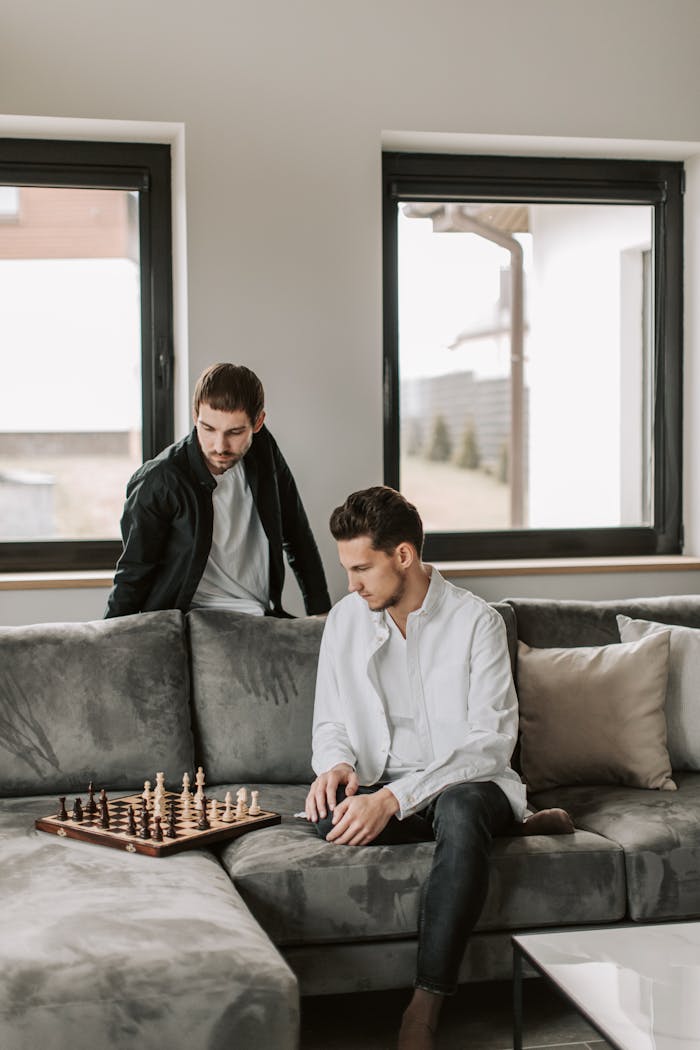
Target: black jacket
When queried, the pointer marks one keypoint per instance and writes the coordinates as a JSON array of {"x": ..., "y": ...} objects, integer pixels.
[{"x": 167, "y": 529}]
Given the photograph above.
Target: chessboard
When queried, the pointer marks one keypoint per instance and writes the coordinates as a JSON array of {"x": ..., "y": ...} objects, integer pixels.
[{"x": 137, "y": 824}]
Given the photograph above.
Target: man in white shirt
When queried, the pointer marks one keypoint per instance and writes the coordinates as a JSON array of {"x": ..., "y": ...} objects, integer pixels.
[{"x": 415, "y": 721}]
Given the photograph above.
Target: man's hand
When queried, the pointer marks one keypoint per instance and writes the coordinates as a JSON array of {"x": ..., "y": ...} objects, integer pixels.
[
  {"x": 359, "y": 819},
  {"x": 324, "y": 790}
]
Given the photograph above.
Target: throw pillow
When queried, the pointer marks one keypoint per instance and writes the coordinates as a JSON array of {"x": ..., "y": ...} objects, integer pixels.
[
  {"x": 595, "y": 714},
  {"x": 682, "y": 702}
]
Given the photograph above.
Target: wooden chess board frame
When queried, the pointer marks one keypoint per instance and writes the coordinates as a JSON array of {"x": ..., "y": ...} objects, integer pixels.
[{"x": 188, "y": 836}]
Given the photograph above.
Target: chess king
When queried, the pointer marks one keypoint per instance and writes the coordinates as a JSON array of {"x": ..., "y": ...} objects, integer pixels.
[
  {"x": 205, "y": 523},
  {"x": 415, "y": 720}
]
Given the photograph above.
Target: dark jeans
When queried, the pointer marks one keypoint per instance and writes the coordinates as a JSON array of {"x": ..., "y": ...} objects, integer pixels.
[{"x": 462, "y": 821}]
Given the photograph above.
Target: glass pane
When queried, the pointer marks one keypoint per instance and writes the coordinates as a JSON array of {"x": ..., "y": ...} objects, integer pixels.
[
  {"x": 70, "y": 364},
  {"x": 525, "y": 364}
]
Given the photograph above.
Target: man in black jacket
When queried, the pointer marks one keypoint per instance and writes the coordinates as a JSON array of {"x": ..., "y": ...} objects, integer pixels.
[{"x": 206, "y": 522}]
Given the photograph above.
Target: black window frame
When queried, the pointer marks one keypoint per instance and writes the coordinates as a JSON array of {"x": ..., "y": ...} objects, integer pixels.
[
  {"x": 146, "y": 168},
  {"x": 448, "y": 177}
]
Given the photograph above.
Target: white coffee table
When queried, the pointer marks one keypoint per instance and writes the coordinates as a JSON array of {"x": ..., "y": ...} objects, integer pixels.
[{"x": 638, "y": 986}]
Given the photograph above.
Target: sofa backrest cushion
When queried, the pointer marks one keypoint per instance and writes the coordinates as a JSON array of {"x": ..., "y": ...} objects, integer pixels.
[
  {"x": 106, "y": 701},
  {"x": 253, "y": 682},
  {"x": 555, "y": 623},
  {"x": 253, "y": 685}
]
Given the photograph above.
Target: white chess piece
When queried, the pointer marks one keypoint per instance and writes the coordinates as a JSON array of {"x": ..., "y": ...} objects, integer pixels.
[
  {"x": 186, "y": 809},
  {"x": 199, "y": 781},
  {"x": 214, "y": 810},
  {"x": 254, "y": 810},
  {"x": 228, "y": 816},
  {"x": 147, "y": 793},
  {"x": 241, "y": 804},
  {"x": 159, "y": 796}
]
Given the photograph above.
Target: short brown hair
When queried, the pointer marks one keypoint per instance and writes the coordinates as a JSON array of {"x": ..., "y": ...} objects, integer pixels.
[
  {"x": 229, "y": 388},
  {"x": 381, "y": 513}
]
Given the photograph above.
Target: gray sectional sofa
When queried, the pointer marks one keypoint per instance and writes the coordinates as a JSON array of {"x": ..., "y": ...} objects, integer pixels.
[{"x": 211, "y": 949}]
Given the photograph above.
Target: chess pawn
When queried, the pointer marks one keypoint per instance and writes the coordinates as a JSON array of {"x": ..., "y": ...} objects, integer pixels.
[
  {"x": 158, "y": 831},
  {"x": 228, "y": 816},
  {"x": 214, "y": 810},
  {"x": 186, "y": 809},
  {"x": 254, "y": 810}
]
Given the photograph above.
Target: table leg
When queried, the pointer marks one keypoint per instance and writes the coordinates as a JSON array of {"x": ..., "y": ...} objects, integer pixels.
[{"x": 517, "y": 999}]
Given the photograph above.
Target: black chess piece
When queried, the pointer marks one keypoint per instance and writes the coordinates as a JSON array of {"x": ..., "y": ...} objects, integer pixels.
[
  {"x": 131, "y": 822},
  {"x": 62, "y": 811},
  {"x": 171, "y": 833},
  {"x": 203, "y": 824},
  {"x": 77, "y": 814},
  {"x": 104, "y": 813},
  {"x": 91, "y": 807},
  {"x": 158, "y": 832},
  {"x": 145, "y": 832}
]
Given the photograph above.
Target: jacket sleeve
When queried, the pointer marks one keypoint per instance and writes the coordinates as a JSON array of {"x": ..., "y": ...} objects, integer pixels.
[
  {"x": 330, "y": 741},
  {"x": 485, "y": 748},
  {"x": 299, "y": 543},
  {"x": 145, "y": 526}
]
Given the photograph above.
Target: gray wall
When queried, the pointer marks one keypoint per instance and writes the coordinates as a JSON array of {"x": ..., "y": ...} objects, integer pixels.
[{"x": 284, "y": 105}]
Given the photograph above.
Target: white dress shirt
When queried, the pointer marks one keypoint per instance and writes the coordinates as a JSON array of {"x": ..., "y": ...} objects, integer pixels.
[
  {"x": 459, "y": 670},
  {"x": 404, "y": 712},
  {"x": 237, "y": 573}
]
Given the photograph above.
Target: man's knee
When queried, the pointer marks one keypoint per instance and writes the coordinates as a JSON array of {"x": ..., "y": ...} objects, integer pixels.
[{"x": 471, "y": 810}]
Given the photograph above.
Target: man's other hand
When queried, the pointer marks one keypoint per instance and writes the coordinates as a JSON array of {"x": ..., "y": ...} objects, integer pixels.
[
  {"x": 359, "y": 819},
  {"x": 324, "y": 790}
]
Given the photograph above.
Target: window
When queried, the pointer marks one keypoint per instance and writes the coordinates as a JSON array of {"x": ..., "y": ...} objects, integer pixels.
[
  {"x": 87, "y": 348},
  {"x": 533, "y": 353}
]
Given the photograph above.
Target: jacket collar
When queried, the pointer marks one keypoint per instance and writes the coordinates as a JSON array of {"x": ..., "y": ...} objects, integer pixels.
[{"x": 197, "y": 462}]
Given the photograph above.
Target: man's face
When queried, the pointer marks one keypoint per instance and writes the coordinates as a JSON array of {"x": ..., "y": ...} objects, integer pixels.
[
  {"x": 224, "y": 437},
  {"x": 376, "y": 576}
]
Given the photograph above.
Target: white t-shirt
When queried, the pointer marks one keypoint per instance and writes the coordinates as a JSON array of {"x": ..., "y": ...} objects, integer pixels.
[
  {"x": 403, "y": 712},
  {"x": 237, "y": 573}
]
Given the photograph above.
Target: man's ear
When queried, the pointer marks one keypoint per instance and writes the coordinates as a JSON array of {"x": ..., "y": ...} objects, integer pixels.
[
  {"x": 259, "y": 422},
  {"x": 406, "y": 554}
]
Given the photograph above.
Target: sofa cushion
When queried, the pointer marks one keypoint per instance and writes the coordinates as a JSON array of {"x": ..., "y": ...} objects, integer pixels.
[
  {"x": 103, "y": 948},
  {"x": 660, "y": 835},
  {"x": 304, "y": 890},
  {"x": 682, "y": 707},
  {"x": 552, "y": 623},
  {"x": 253, "y": 682},
  {"x": 104, "y": 701},
  {"x": 594, "y": 714}
]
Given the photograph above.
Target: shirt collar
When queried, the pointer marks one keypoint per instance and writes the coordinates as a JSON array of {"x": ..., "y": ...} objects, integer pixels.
[{"x": 433, "y": 597}]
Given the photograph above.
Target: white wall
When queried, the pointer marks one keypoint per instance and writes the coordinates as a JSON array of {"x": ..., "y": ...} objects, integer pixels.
[{"x": 284, "y": 104}]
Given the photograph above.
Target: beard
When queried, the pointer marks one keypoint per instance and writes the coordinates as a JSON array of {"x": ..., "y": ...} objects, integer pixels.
[{"x": 395, "y": 597}]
